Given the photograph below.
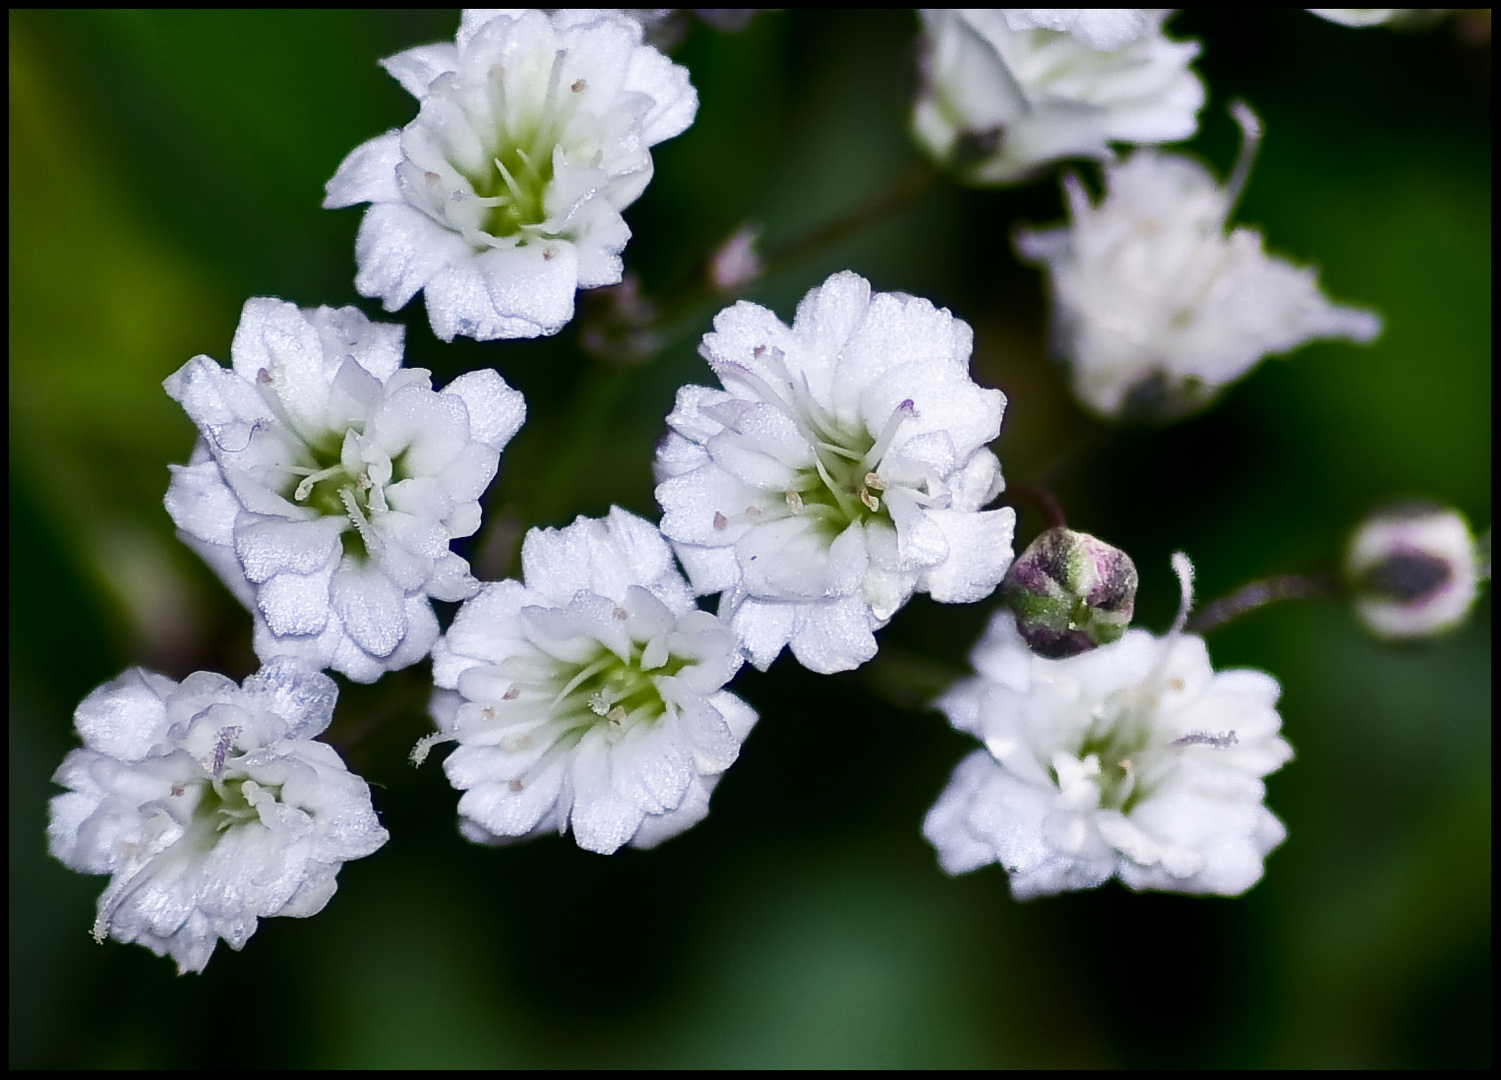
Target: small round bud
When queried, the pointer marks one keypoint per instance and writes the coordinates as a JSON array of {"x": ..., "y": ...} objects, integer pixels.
[
  {"x": 1412, "y": 571},
  {"x": 1070, "y": 592}
]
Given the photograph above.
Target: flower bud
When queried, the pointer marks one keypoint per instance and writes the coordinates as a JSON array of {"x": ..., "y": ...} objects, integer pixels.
[
  {"x": 1412, "y": 570},
  {"x": 1070, "y": 592}
]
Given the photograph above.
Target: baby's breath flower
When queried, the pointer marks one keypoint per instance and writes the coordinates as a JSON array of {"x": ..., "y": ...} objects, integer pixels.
[
  {"x": 209, "y": 805},
  {"x": 1135, "y": 760},
  {"x": 503, "y": 197},
  {"x": 1006, "y": 92},
  {"x": 588, "y": 695},
  {"x": 328, "y": 481},
  {"x": 842, "y": 468},
  {"x": 1155, "y": 309}
]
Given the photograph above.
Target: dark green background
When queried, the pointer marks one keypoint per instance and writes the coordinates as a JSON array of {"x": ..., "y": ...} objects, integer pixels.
[{"x": 164, "y": 167}]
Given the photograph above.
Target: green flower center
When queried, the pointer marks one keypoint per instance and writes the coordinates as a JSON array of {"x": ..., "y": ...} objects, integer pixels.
[
  {"x": 1118, "y": 739},
  {"x": 515, "y": 185},
  {"x": 322, "y": 482},
  {"x": 842, "y": 488},
  {"x": 608, "y": 690}
]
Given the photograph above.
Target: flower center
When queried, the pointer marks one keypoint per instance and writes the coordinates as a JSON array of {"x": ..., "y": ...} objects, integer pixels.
[
  {"x": 519, "y": 137},
  {"x": 224, "y": 805},
  {"x": 607, "y": 691},
  {"x": 1117, "y": 739},
  {"x": 514, "y": 188},
  {"x": 325, "y": 483}
]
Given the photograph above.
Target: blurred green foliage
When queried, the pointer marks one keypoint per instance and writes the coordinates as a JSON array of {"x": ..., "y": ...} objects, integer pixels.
[{"x": 165, "y": 166}]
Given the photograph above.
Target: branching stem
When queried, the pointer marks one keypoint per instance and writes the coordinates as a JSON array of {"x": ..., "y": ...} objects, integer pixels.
[{"x": 1319, "y": 585}]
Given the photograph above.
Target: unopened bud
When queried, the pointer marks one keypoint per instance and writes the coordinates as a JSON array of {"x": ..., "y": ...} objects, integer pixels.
[
  {"x": 1070, "y": 592},
  {"x": 1412, "y": 571}
]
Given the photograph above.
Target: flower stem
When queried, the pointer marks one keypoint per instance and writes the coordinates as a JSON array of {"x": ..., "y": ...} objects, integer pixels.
[
  {"x": 654, "y": 329},
  {"x": 1319, "y": 585},
  {"x": 1039, "y": 498}
]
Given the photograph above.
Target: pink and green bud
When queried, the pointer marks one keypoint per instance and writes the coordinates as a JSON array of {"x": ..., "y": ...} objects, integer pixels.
[{"x": 1071, "y": 592}]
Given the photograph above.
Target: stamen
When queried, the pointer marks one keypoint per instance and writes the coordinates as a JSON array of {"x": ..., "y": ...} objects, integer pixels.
[
  {"x": 1251, "y": 132},
  {"x": 1223, "y": 741},
  {"x": 221, "y": 748},
  {"x": 904, "y": 412},
  {"x": 616, "y": 715},
  {"x": 871, "y": 502},
  {"x": 1185, "y": 571},
  {"x": 505, "y": 174},
  {"x": 425, "y": 745},
  {"x": 587, "y": 672},
  {"x": 720, "y": 522},
  {"x": 373, "y": 543},
  {"x": 874, "y": 482},
  {"x": 305, "y": 488},
  {"x": 794, "y": 502}
]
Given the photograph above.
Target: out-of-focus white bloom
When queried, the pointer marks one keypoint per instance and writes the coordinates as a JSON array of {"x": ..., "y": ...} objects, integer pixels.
[
  {"x": 503, "y": 197},
  {"x": 842, "y": 467},
  {"x": 1155, "y": 309},
  {"x": 329, "y": 480},
  {"x": 1413, "y": 571},
  {"x": 210, "y": 806},
  {"x": 590, "y": 695},
  {"x": 1102, "y": 29},
  {"x": 1135, "y": 760},
  {"x": 1004, "y": 93},
  {"x": 1361, "y": 17}
]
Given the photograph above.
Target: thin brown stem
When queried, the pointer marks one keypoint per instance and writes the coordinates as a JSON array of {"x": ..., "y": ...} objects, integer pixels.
[
  {"x": 1319, "y": 585},
  {"x": 1040, "y": 499},
  {"x": 700, "y": 289}
]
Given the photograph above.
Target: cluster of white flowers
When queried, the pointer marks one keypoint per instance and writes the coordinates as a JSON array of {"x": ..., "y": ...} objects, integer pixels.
[
  {"x": 328, "y": 481},
  {"x": 589, "y": 694},
  {"x": 843, "y": 467},
  {"x": 1005, "y": 92},
  {"x": 1155, "y": 309},
  {"x": 1135, "y": 760},
  {"x": 503, "y": 197},
  {"x": 210, "y": 806}
]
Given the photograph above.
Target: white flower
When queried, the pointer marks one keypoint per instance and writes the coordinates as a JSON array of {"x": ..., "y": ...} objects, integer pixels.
[
  {"x": 1413, "y": 570},
  {"x": 842, "y": 468},
  {"x": 1155, "y": 309},
  {"x": 1135, "y": 760},
  {"x": 329, "y": 480},
  {"x": 1004, "y": 93},
  {"x": 1362, "y": 17},
  {"x": 503, "y": 196},
  {"x": 590, "y": 696},
  {"x": 210, "y": 806}
]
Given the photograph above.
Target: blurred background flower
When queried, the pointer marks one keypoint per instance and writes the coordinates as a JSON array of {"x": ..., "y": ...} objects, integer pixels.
[{"x": 165, "y": 166}]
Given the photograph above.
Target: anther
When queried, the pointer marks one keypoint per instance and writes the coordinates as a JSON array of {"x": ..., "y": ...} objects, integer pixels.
[
  {"x": 579, "y": 86},
  {"x": 720, "y": 521},
  {"x": 871, "y": 502},
  {"x": 621, "y": 614},
  {"x": 512, "y": 693},
  {"x": 874, "y": 482},
  {"x": 433, "y": 178},
  {"x": 263, "y": 376},
  {"x": 616, "y": 715},
  {"x": 794, "y": 502},
  {"x": 514, "y": 785}
]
